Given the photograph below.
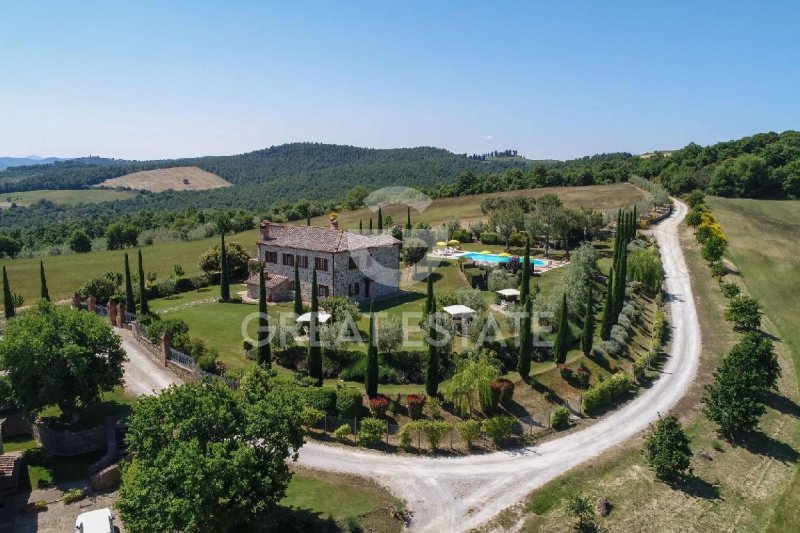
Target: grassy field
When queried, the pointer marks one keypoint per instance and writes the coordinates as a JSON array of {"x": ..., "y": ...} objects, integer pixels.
[
  {"x": 747, "y": 487},
  {"x": 163, "y": 179},
  {"x": 468, "y": 208},
  {"x": 315, "y": 499},
  {"x": 66, "y": 273},
  {"x": 70, "y": 197}
]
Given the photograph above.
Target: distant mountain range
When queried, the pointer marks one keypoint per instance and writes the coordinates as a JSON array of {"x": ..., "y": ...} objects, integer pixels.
[{"x": 6, "y": 162}]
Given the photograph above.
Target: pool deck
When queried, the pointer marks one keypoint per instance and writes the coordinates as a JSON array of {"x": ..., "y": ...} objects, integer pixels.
[{"x": 537, "y": 269}]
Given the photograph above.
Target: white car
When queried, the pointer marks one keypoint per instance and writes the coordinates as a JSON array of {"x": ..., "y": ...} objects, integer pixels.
[{"x": 99, "y": 521}]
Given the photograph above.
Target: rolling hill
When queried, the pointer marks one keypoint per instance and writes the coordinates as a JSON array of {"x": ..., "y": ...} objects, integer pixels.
[{"x": 163, "y": 179}]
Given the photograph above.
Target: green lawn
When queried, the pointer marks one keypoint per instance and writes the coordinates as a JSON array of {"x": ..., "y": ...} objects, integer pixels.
[
  {"x": 315, "y": 496},
  {"x": 67, "y": 196}
]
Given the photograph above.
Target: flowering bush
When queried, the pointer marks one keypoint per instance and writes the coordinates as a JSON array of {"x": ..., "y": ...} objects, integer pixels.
[
  {"x": 415, "y": 403},
  {"x": 378, "y": 405}
]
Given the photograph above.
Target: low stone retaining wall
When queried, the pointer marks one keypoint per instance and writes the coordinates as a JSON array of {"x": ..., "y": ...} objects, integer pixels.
[{"x": 66, "y": 443}]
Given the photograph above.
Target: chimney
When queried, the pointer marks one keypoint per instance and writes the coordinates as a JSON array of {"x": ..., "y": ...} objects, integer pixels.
[
  {"x": 264, "y": 230},
  {"x": 334, "y": 223}
]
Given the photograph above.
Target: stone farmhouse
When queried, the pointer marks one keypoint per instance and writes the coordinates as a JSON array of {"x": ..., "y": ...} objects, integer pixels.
[{"x": 361, "y": 267}]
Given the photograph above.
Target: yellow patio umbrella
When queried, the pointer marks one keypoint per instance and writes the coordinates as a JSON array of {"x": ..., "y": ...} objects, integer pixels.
[
  {"x": 453, "y": 241},
  {"x": 441, "y": 243},
  {"x": 486, "y": 252},
  {"x": 505, "y": 254}
]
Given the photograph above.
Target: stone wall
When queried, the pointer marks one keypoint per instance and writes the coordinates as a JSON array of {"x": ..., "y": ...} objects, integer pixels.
[
  {"x": 67, "y": 442},
  {"x": 15, "y": 424}
]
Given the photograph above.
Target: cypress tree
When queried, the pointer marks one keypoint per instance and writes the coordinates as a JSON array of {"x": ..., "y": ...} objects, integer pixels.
[
  {"x": 370, "y": 225},
  {"x": 430, "y": 302},
  {"x": 621, "y": 279},
  {"x": 635, "y": 221},
  {"x": 560, "y": 346},
  {"x": 588, "y": 323},
  {"x": 380, "y": 220},
  {"x": 360, "y": 226},
  {"x": 432, "y": 373},
  {"x": 526, "y": 273},
  {"x": 130, "y": 302},
  {"x": 308, "y": 220},
  {"x": 608, "y": 308},
  {"x": 298, "y": 292},
  {"x": 314, "y": 349},
  {"x": 525, "y": 342},
  {"x": 264, "y": 350},
  {"x": 408, "y": 218},
  {"x": 45, "y": 293},
  {"x": 144, "y": 308},
  {"x": 371, "y": 374},
  {"x": 8, "y": 300},
  {"x": 224, "y": 282}
]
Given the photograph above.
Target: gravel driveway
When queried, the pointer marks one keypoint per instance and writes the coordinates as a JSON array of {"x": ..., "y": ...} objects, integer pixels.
[
  {"x": 457, "y": 494},
  {"x": 143, "y": 375}
]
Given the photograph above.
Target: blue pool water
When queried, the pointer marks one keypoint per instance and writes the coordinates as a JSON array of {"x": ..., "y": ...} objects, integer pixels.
[{"x": 494, "y": 258}]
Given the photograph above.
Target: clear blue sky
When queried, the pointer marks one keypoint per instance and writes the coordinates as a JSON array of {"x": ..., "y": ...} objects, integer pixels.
[{"x": 553, "y": 80}]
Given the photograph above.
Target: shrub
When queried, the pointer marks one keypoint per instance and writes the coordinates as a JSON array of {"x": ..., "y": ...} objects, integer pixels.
[
  {"x": 718, "y": 270},
  {"x": 502, "y": 391},
  {"x": 434, "y": 430},
  {"x": 611, "y": 347},
  {"x": 619, "y": 334},
  {"x": 322, "y": 398},
  {"x": 404, "y": 438},
  {"x": 583, "y": 375},
  {"x": 462, "y": 235},
  {"x": 74, "y": 495},
  {"x": 371, "y": 431},
  {"x": 247, "y": 345},
  {"x": 559, "y": 419},
  {"x": 667, "y": 449},
  {"x": 349, "y": 402},
  {"x": 516, "y": 239},
  {"x": 310, "y": 416},
  {"x": 415, "y": 403},
  {"x": 470, "y": 431},
  {"x": 39, "y": 506},
  {"x": 498, "y": 428},
  {"x": 378, "y": 405},
  {"x": 342, "y": 432},
  {"x": 565, "y": 371},
  {"x": 606, "y": 392},
  {"x": 745, "y": 312},
  {"x": 490, "y": 237},
  {"x": 730, "y": 290}
]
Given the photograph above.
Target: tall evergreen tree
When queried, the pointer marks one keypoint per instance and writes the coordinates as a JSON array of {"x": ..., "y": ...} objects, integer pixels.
[
  {"x": 370, "y": 225},
  {"x": 588, "y": 322},
  {"x": 371, "y": 374},
  {"x": 526, "y": 273},
  {"x": 621, "y": 281},
  {"x": 608, "y": 308},
  {"x": 432, "y": 372},
  {"x": 224, "y": 281},
  {"x": 314, "y": 349},
  {"x": 144, "y": 307},
  {"x": 43, "y": 280},
  {"x": 408, "y": 218},
  {"x": 525, "y": 342},
  {"x": 430, "y": 302},
  {"x": 8, "y": 299},
  {"x": 298, "y": 291},
  {"x": 360, "y": 226},
  {"x": 380, "y": 220},
  {"x": 264, "y": 350},
  {"x": 130, "y": 302},
  {"x": 561, "y": 344},
  {"x": 308, "y": 220}
]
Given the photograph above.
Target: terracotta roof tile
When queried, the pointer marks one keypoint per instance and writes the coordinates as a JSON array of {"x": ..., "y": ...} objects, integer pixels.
[
  {"x": 272, "y": 280},
  {"x": 323, "y": 239}
]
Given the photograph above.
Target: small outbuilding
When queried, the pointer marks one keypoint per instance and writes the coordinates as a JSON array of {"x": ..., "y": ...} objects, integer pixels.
[
  {"x": 509, "y": 295},
  {"x": 461, "y": 315}
]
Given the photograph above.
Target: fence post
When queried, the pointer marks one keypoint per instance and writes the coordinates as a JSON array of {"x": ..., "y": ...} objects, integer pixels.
[
  {"x": 166, "y": 345},
  {"x": 355, "y": 425},
  {"x": 121, "y": 318},
  {"x": 112, "y": 313}
]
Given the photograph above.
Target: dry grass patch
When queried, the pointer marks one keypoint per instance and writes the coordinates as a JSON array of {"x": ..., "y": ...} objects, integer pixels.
[{"x": 163, "y": 179}]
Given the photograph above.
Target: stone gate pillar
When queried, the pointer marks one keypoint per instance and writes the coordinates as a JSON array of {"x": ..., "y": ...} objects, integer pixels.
[
  {"x": 121, "y": 315},
  {"x": 166, "y": 345},
  {"x": 112, "y": 313},
  {"x": 91, "y": 304}
]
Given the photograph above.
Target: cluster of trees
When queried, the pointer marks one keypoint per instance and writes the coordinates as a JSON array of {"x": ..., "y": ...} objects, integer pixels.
[
  {"x": 514, "y": 217},
  {"x": 494, "y": 153},
  {"x": 618, "y": 277}
]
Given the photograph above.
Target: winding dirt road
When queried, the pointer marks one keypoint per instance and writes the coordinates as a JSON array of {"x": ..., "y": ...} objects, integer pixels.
[{"x": 457, "y": 494}]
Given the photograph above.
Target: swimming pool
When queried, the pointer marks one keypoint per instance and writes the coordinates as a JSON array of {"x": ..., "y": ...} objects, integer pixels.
[{"x": 494, "y": 258}]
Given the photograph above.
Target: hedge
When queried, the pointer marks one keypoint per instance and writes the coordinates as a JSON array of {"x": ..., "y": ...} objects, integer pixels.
[
  {"x": 606, "y": 392},
  {"x": 322, "y": 398},
  {"x": 349, "y": 402},
  {"x": 371, "y": 432},
  {"x": 490, "y": 237}
]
